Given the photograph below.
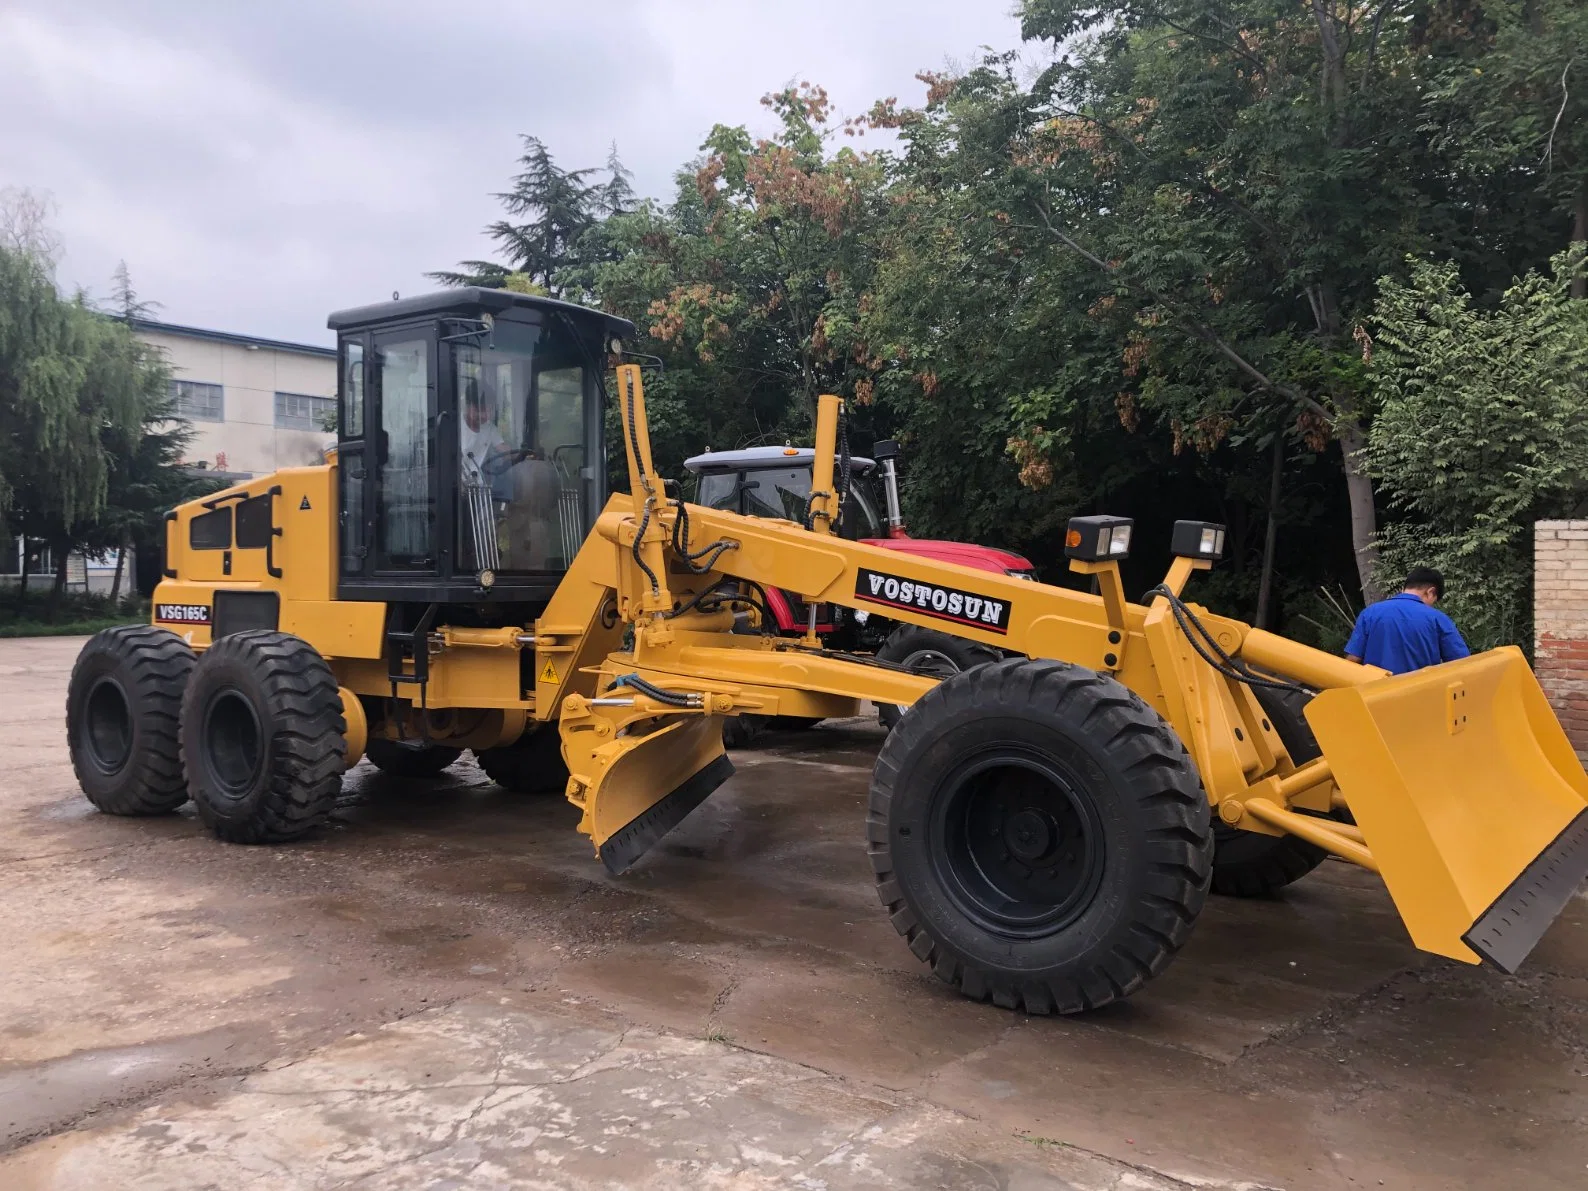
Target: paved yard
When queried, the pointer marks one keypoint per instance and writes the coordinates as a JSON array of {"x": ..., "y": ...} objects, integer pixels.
[{"x": 445, "y": 989}]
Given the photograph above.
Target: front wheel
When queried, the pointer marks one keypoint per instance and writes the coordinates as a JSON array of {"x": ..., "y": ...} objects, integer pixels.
[
  {"x": 263, "y": 737},
  {"x": 1039, "y": 836},
  {"x": 931, "y": 653}
]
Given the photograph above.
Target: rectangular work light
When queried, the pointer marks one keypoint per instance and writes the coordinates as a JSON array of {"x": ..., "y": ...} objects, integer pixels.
[
  {"x": 1197, "y": 539},
  {"x": 1096, "y": 539}
]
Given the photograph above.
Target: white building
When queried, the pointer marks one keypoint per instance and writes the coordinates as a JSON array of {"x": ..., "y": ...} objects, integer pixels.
[{"x": 255, "y": 404}]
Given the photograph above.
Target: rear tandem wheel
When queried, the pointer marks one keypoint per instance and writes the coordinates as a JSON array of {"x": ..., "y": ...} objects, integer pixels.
[
  {"x": 532, "y": 764},
  {"x": 263, "y": 737},
  {"x": 1039, "y": 836},
  {"x": 421, "y": 764},
  {"x": 123, "y": 706}
]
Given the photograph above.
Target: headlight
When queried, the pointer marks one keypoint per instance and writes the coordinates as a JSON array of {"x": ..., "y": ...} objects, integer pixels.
[
  {"x": 1197, "y": 539},
  {"x": 1016, "y": 573},
  {"x": 1097, "y": 539}
]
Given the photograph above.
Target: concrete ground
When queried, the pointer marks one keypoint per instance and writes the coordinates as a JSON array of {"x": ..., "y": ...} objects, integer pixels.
[{"x": 444, "y": 989}]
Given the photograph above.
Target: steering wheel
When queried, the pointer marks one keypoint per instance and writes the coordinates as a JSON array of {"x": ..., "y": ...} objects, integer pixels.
[{"x": 499, "y": 462}]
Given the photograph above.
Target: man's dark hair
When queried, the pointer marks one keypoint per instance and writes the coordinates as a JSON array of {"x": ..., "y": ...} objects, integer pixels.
[{"x": 1426, "y": 577}]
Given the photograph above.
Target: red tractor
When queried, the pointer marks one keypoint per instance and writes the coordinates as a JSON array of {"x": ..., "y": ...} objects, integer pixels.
[{"x": 776, "y": 482}]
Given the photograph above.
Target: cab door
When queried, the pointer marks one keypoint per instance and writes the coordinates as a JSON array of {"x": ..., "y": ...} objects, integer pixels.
[{"x": 403, "y": 424}]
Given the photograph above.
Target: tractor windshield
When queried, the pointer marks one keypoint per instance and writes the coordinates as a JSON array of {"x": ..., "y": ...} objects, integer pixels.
[
  {"x": 522, "y": 448},
  {"x": 784, "y": 492}
]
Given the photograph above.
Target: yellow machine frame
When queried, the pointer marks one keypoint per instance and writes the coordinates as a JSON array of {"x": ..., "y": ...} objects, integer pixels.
[{"x": 1462, "y": 789}]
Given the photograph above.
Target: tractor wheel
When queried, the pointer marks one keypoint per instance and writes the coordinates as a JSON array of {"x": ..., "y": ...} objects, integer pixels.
[
  {"x": 262, "y": 737},
  {"x": 123, "y": 708},
  {"x": 1039, "y": 835},
  {"x": 532, "y": 764},
  {"x": 926, "y": 651},
  {"x": 390, "y": 757},
  {"x": 741, "y": 731},
  {"x": 1247, "y": 863}
]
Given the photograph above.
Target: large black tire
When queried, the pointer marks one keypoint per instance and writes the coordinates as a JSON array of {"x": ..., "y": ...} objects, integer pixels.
[
  {"x": 531, "y": 765},
  {"x": 929, "y": 652},
  {"x": 1247, "y": 863},
  {"x": 423, "y": 764},
  {"x": 263, "y": 737},
  {"x": 123, "y": 709},
  {"x": 741, "y": 731},
  {"x": 1039, "y": 835}
]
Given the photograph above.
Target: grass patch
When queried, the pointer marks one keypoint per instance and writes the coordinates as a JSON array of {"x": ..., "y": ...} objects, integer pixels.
[
  {"x": 1044, "y": 1143},
  {"x": 67, "y": 628},
  {"x": 74, "y": 614}
]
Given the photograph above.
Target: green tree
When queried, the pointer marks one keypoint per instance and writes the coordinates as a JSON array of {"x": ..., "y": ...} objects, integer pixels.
[
  {"x": 76, "y": 390},
  {"x": 1482, "y": 429},
  {"x": 1242, "y": 170},
  {"x": 549, "y": 210},
  {"x": 1516, "y": 114},
  {"x": 756, "y": 272}
]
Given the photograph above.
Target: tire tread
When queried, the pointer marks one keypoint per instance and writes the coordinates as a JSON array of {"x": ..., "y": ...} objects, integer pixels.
[
  {"x": 305, "y": 754},
  {"x": 1171, "y": 801},
  {"x": 158, "y": 664}
]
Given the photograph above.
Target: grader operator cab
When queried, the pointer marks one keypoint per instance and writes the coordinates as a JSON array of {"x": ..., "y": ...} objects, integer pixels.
[{"x": 1043, "y": 829}]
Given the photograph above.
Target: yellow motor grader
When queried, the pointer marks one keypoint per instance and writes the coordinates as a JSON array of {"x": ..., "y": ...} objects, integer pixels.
[{"x": 1043, "y": 829}]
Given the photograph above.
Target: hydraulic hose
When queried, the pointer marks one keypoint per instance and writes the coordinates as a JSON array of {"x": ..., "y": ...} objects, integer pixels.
[
  {"x": 660, "y": 694},
  {"x": 1212, "y": 652}
]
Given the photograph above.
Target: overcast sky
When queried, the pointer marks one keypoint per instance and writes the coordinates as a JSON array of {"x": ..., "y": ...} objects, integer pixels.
[{"x": 259, "y": 165}]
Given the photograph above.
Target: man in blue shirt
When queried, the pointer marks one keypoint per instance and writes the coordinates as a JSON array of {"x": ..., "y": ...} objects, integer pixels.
[{"x": 1406, "y": 632}]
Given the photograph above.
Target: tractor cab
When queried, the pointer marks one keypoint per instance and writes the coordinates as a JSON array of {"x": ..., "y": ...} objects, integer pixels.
[
  {"x": 470, "y": 445},
  {"x": 776, "y": 482}
]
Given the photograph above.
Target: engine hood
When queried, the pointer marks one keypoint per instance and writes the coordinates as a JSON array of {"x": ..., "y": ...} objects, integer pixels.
[{"x": 965, "y": 554}]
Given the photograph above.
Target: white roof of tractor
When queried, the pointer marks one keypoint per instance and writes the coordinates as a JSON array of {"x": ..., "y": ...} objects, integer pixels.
[{"x": 755, "y": 458}]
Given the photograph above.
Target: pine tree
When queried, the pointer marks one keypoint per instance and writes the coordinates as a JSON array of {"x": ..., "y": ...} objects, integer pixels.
[{"x": 549, "y": 212}]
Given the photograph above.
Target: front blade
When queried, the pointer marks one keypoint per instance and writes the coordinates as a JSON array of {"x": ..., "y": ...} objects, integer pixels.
[
  {"x": 650, "y": 783},
  {"x": 1469, "y": 796}
]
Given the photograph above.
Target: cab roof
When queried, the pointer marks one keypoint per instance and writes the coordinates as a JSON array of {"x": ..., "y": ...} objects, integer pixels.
[
  {"x": 757, "y": 458},
  {"x": 471, "y": 300}
]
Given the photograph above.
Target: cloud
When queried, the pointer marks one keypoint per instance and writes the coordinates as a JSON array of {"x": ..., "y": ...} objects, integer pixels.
[{"x": 260, "y": 165}]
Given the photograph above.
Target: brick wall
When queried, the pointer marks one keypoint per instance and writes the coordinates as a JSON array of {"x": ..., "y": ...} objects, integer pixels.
[{"x": 1560, "y": 622}]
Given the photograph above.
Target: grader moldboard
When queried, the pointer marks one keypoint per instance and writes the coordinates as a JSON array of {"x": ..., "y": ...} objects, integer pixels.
[{"x": 1043, "y": 829}]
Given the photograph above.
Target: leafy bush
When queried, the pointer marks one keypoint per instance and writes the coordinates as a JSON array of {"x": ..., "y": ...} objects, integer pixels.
[
  {"x": 68, "y": 614},
  {"x": 1482, "y": 429}
]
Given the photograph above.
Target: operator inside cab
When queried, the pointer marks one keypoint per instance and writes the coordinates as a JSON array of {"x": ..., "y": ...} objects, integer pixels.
[{"x": 510, "y": 506}]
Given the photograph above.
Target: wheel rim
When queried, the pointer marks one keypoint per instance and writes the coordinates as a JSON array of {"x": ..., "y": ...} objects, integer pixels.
[
  {"x": 233, "y": 741},
  {"x": 107, "y": 726},
  {"x": 1018, "y": 846},
  {"x": 933, "y": 663}
]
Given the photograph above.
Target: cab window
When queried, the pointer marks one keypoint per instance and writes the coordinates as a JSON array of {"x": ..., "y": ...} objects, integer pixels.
[
  {"x": 521, "y": 449},
  {"x": 784, "y": 492}
]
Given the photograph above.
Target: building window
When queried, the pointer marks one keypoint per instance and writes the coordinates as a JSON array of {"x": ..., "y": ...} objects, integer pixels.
[
  {"x": 14, "y": 550},
  {"x": 197, "y": 401},
  {"x": 294, "y": 411}
]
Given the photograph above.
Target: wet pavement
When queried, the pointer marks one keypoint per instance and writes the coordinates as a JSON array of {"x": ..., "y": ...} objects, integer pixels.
[{"x": 446, "y": 989}]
